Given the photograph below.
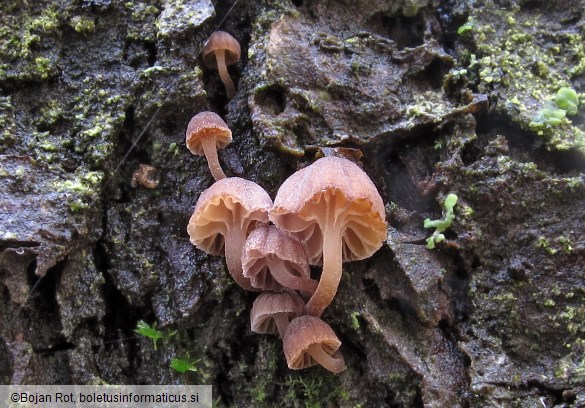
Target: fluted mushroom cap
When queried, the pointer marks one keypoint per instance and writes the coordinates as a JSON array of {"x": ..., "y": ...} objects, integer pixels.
[
  {"x": 308, "y": 341},
  {"x": 207, "y": 125},
  {"x": 274, "y": 261},
  {"x": 220, "y": 40},
  {"x": 224, "y": 216},
  {"x": 230, "y": 203},
  {"x": 273, "y": 309},
  {"x": 300, "y": 208}
]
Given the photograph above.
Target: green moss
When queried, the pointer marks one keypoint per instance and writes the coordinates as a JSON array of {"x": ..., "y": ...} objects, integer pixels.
[
  {"x": 549, "y": 303},
  {"x": 468, "y": 26},
  {"x": 520, "y": 59},
  {"x": 8, "y": 136},
  {"x": 23, "y": 40},
  {"x": 355, "y": 323},
  {"x": 544, "y": 243},
  {"x": 568, "y": 100},
  {"x": 85, "y": 183},
  {"x": 82, "y": 24},
  {"x": 143, "y": 15},
  {"x": 553, "y": 113},
  {"x": 312, "y": 391}
]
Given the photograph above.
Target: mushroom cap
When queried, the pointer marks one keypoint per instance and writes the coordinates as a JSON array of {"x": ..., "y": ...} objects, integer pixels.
[
  {"x": 267, "y": 243},
  {"x": 229, "y": 203},
  {"x": 300, "y": 208},
  {"x": 220, "y": 40},
  {"x": 207, "y": 125},
  {"x": 269, "y": 304},
  {"x": 303, "y": 332}
]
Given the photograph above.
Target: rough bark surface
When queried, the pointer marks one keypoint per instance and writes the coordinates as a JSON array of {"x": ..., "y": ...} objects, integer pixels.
[{"x": 440, "y": 97}]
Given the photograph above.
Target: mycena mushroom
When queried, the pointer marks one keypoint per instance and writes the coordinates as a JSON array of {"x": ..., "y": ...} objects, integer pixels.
[
  {"x": 221, "y": 50},
  {"x": 275, "y": 261},
  {"x": 308, "y": 341},
  {"x": 224, "y": 215},
  {"x": 334, "y": 209},
  {"x": 206, "y": 133},
  {"x": 272, "y": 312}
]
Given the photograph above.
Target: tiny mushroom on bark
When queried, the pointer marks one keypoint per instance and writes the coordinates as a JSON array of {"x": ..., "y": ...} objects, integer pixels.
[
  {"x": 221, "y": 50},
  {"x": 206, "y": 133},
  {"x": 224, "y": 216},
  {"x": 274, "y": 261},
  {"x": 308, "y": 340},
  {"x": 334, "y": 209},
  {"x": 272, "y": 312}
]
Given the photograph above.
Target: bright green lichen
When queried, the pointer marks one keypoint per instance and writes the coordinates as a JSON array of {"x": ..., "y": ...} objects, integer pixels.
[
  {"x": 82, "y": 24},
  {"x": 519, "y": 59},
  {"x": 23, "y": 43},
  {"x": 442, "y": 224}
]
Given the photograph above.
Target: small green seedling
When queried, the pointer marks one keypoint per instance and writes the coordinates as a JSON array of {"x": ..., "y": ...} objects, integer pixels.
[
  {"x": 442, "y": 224},
  {"x": 152, "y": 332},
  {"x": 183, "y": 364}
]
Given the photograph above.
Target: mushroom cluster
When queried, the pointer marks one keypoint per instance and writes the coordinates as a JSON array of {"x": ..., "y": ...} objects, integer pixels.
[{"x": 325, "y": 214}]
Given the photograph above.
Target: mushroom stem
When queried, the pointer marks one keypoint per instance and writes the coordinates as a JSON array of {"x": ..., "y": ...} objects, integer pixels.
[
  {"x": 230, "y": 89},
  {"x": 335, "y": 365},
  {"x": 210, "y": 150},
  {"x": 332, "y": 260},
  {"x": 234, "y": 244},
  {"x": 290, "y": 281},
  {"x": 282, "y": 322}
]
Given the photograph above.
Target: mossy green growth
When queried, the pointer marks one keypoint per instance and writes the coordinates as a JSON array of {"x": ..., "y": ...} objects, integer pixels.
[
  {"x": 441, "y": 225},
  {"x": 468, "y": 26},
  {"x": 153, "y": 333},
  {"x": 519, "y": 59},
  {"x": 312, "y": 391},
  {"x": 554, "y": 112},
  {"x": 82, "y": 24},
  {"x": 25, "y": 43},
  {"x": 149, "y": 331},
  {"x": 568, "y": 100},
  {"x": 183, "y": 364},
  {"x": 549, "y": 115}
]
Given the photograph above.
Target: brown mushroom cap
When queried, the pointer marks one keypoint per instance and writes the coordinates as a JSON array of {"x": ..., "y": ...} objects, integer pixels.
[
  {"x": 221, "y": 41},
  {"x": 272, "y": 312},
  {"x": 221, "y": 50},
  {"x": 206, "y": 134},
  {"x": 224, "y": 215},
  {"x": 274, "y": 261},
  {"x": 307, "y": 341},
  {"x": 335, "y": 210}
]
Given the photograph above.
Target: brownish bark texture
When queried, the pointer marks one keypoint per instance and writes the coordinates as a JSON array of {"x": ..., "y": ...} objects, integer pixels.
[{"x": 440, "y": 97}]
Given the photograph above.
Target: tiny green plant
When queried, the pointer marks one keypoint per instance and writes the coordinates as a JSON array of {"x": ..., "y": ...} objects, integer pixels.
[
  {"x": 568, "y": 100},
  {"x": 468, "y": 26},
  {"x": 442, "y": 224},
  {"x": 184, "y": 364},
  {"x": 554, "y": 112},
  {"x": 152, "y": 332}
]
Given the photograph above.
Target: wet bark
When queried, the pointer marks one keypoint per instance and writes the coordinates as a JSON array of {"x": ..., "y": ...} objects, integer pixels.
[{"x": 440, "y": 98}]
